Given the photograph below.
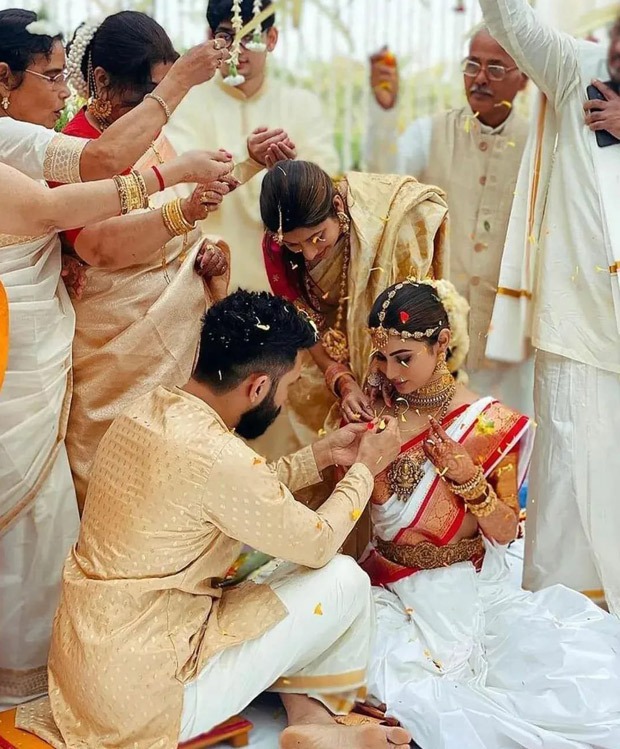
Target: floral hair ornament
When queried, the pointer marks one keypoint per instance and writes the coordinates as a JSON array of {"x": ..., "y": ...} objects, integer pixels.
[
  {"x": 234, "y": 78},
  {"x": 44, "y": 28},
  {"x": 380, "y": 336},
  {"x": 257, "y": 44},
  {"x": 83, "y": 37}
]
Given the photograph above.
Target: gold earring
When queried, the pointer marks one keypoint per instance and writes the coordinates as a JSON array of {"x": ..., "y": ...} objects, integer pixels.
[
  {"x": 5, "y": 103},
  {"x": 344, "y": 221},
  {"x": 100, "y": 109}
]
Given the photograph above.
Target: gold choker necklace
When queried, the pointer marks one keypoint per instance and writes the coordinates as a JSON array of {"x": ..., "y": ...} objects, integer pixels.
[{"x": 436, "y": 394}]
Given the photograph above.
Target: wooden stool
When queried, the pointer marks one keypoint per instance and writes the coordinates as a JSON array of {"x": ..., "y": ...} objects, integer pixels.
[{"x": 234, "y": 731}]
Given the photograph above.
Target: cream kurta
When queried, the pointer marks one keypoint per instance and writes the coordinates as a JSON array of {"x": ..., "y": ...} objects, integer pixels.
[
  {"x": 172, "y": 497},
  {"x": 215, "y": 115},
  {"x": 477, "y": 167}
]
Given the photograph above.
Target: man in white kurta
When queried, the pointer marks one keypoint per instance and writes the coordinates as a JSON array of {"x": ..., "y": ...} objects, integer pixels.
[
  {"x": 475, "y": 159},
  {"x": 562, "y": 252},
  {"x": 219, "y": 115}
]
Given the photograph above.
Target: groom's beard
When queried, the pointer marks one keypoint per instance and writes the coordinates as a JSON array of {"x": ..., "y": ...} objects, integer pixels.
[{"x": 257, "y": 420}]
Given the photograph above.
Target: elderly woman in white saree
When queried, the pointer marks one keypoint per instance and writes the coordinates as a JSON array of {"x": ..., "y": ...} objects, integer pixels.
[
  {"x": 462, "y": 656},
  {"x": 38, "y": 511}
]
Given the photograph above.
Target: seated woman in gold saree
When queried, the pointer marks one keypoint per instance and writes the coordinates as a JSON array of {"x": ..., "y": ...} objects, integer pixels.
[
  {"x": 463, "y": 657},
  {"x": 139, "y": 326},
  {"x": 332, "y": 248}
]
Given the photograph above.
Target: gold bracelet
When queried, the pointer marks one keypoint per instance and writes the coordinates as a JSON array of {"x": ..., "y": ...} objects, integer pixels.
[
  {"x": 141, "y": 185},
  {"x": 123, "y": 194},
  {"x": 472, "y": 489},
  {"x": 486, "y": 508},
  {"x": 174, "y": 220},
  {"x": 161, "y": 103}
]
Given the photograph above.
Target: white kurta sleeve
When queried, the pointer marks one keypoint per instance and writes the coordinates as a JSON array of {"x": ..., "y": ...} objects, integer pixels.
[
  {"x": 549, "y": 57},
  {"x": 388, "y": 153},
  {"x": 316, "y": 142}
]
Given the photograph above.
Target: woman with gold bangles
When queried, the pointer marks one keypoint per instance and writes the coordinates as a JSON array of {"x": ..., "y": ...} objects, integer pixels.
[
  {"x": 141, "y": 323},
  {"x": 38, "y": 511},
  {"x": 331, "y": 248},
  {"x": 462, "y": 655}
]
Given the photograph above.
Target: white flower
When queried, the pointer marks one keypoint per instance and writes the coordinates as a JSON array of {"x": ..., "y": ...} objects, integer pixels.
[
  {"x": 256, "y": 46},
  {"x": 44, "y": 28},
  {"x": 234, "y": 80}
]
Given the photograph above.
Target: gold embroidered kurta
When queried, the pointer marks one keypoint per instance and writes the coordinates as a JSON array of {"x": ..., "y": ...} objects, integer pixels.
[{"x": 172, "y": 498}]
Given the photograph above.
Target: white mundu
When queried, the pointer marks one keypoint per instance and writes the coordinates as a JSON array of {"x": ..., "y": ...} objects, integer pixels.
[
  {"x": 477, "y": 166},
  {"x": 215, "y": 115},
  {"x": 562, "y": 251}
]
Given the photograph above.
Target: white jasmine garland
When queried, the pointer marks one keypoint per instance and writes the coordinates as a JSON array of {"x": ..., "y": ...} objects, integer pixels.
[
  {"x": 234, "y": 78},
  {"x": 257, "y": 44},
  {"x": 44, "y": 28},
  {"x": 83, "y": 37}
]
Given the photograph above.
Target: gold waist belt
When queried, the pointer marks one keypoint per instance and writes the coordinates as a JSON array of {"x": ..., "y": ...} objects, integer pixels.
[{"x": 426, "y": 556}]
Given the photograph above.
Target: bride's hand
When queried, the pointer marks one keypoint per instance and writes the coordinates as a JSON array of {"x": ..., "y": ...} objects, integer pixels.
[
  {"x": 354, "y": 403},
  {"x": 451, "y": 459}
]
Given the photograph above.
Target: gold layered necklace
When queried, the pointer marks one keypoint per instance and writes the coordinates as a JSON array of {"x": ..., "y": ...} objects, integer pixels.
[{"x": 435, "y": 396}]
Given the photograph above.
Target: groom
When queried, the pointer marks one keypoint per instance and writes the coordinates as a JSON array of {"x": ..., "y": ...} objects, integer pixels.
[{"x": 147, "y": 649}]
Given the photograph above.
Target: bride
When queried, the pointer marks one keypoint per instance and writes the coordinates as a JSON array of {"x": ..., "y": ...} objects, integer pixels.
[{"x": 463, "y": 658}]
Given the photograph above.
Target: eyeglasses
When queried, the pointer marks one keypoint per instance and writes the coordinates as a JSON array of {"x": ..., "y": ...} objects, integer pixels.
[
  {"x": 54, "y": 80},
  {"x": 471, "y": 68},
  {"x": 228, "y": 37}
]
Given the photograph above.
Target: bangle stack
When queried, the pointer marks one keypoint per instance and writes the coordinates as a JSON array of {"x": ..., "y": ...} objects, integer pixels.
[
  {"x": 161, "y": 103},
  {"x": 174, "y": 220},
  {"x": 334, "y": 373},
  {"x": 479, "y": 496},
  {"x": 132, "y": 191}
]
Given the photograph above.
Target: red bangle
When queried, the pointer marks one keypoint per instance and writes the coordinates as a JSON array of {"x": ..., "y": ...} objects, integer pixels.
[{"x": 160, "y": 179}]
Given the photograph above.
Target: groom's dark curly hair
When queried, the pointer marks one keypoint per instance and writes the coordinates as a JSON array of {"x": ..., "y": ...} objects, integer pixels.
[{"x": 250, "y": 332}]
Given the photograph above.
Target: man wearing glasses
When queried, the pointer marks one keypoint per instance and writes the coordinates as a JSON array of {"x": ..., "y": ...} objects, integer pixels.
[
  {"x": 223, "y": 114},
  {"x": 473, "y": 153}
]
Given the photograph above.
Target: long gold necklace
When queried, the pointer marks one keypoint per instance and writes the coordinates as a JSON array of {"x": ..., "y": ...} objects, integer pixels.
[{"x": 334, "y": 339}]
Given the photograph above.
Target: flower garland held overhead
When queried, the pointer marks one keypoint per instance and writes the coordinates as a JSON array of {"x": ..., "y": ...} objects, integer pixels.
[{"x": 234, "y": 78}]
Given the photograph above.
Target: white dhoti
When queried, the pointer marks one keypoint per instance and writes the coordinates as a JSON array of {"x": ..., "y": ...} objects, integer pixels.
[
  {"x": 320, "y": 649},
  {"x": 573, "y": 516}
]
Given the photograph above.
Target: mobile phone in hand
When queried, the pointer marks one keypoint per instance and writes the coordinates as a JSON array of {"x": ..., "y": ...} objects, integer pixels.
[{"x": 603, "y": 138}]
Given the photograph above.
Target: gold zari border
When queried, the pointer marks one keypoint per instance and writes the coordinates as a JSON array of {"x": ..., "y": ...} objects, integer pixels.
[
  {"x": 516, "y": 293},
  {"x": 62, "y": 159}
]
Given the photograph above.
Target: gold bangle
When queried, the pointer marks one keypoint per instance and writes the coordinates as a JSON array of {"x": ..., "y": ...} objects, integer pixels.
[
  {"x": 141, "y": 186},
  {"x": 174, "y": 220},
  {"x": 123, "y": 194},
  {"x": 472, "y": 489},
  {"x": 161, "y": 103},
  {"x": 486, "y": 508}
]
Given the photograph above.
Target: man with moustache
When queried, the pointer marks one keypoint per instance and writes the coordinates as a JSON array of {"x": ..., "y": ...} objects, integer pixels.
[
  {"x": 148, "y": 649},
  {"x": 473, "y": 153},
  {"x": 560, "y": 268}
]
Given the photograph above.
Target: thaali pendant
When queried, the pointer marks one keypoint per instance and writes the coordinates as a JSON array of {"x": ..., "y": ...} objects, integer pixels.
[{"x": 403, "y": 476}]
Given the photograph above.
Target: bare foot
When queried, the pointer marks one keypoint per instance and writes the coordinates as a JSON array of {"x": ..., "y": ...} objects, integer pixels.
[{"x": 324, "y": 736}]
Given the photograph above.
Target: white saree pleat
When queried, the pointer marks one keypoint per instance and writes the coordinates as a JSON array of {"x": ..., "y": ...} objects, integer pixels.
[{"x": 38, "y": 510}]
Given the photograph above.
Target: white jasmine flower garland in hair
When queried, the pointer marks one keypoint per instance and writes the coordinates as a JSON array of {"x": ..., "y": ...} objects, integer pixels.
[
  {"x": 257, "y": 44},
  {"x": 83, "y": 37},
  {"x": 457, "y": 310},
  {"x": 44, "y": 28},
  {"x": 234, "y": 78}
]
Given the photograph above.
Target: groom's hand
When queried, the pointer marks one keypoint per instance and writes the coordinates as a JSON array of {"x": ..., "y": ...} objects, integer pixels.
[{"x": 340, "y": 447}]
